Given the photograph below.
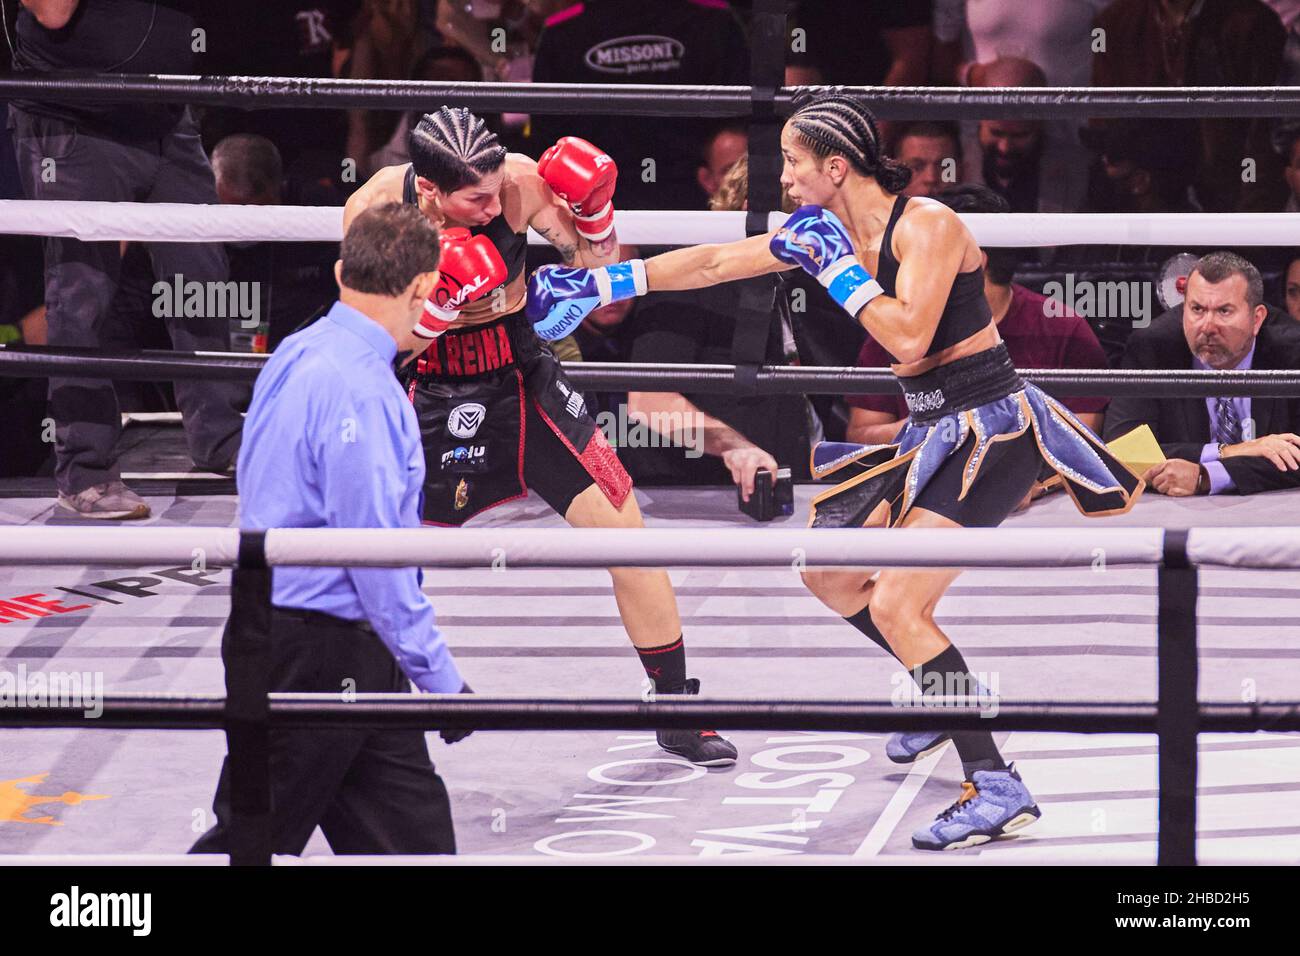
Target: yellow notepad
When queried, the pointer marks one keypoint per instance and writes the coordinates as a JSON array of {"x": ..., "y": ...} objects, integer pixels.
[{"x": 1138, "y": 449}]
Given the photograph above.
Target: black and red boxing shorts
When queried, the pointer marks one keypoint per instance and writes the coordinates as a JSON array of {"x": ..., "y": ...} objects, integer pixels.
[{"x": 498, "y": 418}]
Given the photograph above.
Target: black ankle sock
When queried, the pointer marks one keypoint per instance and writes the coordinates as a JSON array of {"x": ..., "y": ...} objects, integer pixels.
[
  {"x": 947, "y": 672},
  {"x": 666, "y": 666},
  {"x": 863, "y": 622}
]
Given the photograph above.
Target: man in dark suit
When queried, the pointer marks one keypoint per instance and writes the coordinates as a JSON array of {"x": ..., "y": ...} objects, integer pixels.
[{"x": 1217, "y": 445}]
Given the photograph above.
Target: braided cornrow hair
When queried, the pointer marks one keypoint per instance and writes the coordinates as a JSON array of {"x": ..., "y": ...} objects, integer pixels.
[
  {"x": 832, "y": 121},
  {"x": 453, "y": 148}
]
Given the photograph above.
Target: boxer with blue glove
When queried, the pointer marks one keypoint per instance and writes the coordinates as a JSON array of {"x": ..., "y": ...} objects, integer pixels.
[
  {"x": 911, "y": 274},
  {"x": 559, "y": 298},
  {"x": 813, "y": 238}
]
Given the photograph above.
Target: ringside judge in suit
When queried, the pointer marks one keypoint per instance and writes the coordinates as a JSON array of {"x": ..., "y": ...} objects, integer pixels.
[{"x": 1217, "y": 445}]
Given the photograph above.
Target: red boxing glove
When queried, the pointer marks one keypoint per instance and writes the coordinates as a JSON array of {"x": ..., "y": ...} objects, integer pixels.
[
  {"x": 470, "y": 268},
  {"x": 584, "y": 177}
]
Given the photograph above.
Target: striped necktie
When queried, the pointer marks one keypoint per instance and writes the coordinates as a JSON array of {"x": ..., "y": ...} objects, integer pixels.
[{"x": 1227, "y": 426}]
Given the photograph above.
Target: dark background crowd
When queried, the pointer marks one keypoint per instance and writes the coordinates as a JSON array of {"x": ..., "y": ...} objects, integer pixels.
[{"x": 318, "y": 157}]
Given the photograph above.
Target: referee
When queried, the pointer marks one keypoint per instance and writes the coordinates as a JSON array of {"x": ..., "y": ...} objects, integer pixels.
[{"x": 331, "y": 441}]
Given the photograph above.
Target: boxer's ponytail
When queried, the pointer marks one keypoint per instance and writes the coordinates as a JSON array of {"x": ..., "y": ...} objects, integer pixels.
[{"x": 831, "y": 121}]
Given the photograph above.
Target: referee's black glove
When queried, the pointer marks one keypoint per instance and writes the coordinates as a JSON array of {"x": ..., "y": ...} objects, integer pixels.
[{"x": 455, "y": 736}]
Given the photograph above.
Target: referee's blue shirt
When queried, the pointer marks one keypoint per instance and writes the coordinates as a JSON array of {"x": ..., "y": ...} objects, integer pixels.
[{"x": 332, "y": 441}]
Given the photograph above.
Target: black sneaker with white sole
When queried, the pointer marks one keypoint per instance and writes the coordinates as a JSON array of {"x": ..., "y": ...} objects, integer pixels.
[{"x": 706, "y": 748}]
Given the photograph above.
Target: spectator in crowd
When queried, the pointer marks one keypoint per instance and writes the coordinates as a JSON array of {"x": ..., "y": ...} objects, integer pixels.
[
  {"x": 1146, "y": 166},
  {"x": 1286, "y": 142},
  {"x": 932, "y": 151},
  {"x": 117, "y": 152},
  {"x": 1034, "y": 172},
  {"x": 1288, "y": 11},
  {"x": 709, "y": 438},
  {"x": 438, "y": 64},
  {"x": 867, "y": 44},
  {"x": 1216, "y": 445},
  {"x": 299, "y": 38},
  {"x": 1291, "y": 287},
  {"x": 470, "y": 24},
  {"x": 1039, "y": 333},
  {"x": 1197, "y": 43},
  {"x": 389, "y": 44},
  {"x": 502, "y": 38},
  {"x": 721, "y": 152},
  {"x": 9, "y": 185},
  {"x": 22, "y": 322},
  {"x": 970, "y": 34},
  {"x": 294, "y": 280},
  {"x": 22, "y": 298},
  {"x": 1143, "y": 166},
  {"x": 631, "y": 41},
  {"x": 716, "y": 437},
  {"x": 802, "y": 70}
]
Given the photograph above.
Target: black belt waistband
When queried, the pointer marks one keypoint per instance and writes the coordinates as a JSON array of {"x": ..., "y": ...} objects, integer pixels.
[
  {"x": 320, "y": 618},
  {"x": 965, "y": 383},
  {"x": 475, "y": 351}
]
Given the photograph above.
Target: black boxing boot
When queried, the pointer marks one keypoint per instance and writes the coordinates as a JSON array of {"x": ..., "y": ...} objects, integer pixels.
[{"x": 707, "y": 748}]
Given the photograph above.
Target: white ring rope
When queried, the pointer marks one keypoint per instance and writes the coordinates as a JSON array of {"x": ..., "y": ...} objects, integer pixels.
[
  {"x": 1274, "y": 549},
  {"x": 125, "y": 546},
  {"x": 182, "y": 222},
  {"x": 505, "y": 547}
]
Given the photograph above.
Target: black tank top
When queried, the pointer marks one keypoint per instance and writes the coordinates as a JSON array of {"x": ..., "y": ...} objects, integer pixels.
[
  {"x": 967, "y": 310},
  {"x": 512, "y": 245}
]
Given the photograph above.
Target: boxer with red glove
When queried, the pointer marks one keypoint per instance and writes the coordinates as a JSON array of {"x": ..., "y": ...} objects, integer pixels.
[
  {"x": 470, "y": 268},
  {"x": 584, "y": 177}
]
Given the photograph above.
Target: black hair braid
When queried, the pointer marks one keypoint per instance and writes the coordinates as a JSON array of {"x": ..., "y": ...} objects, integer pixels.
[
  {"x": 831, "y": 120},
  {"x": 453, "y": 148}
]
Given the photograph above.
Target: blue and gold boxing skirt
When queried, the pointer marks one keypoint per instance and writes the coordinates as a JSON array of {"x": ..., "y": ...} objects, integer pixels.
[{"x": 977, "y": 403}]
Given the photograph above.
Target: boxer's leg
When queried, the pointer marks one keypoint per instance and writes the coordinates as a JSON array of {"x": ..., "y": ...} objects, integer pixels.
[
  {"x": 645, "y": 597},
  {"x": 902, "y": 605},
  {"x": 847, "y": 592}
]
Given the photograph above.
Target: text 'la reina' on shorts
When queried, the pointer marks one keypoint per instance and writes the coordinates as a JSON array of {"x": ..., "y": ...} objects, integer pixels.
[{"x": 498, "y": 418}]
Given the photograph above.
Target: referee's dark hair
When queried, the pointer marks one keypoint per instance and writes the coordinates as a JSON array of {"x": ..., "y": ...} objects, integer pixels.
[{"x": 386, "y": 247}]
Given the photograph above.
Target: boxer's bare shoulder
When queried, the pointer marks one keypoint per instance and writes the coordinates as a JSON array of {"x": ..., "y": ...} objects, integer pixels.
[
  {"x": 524, "y": 193},
  {"x": 384, "y": 186}
]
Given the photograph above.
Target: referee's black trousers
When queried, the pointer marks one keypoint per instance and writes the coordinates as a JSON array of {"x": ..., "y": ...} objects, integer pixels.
[{"x": 370, "y": 791}]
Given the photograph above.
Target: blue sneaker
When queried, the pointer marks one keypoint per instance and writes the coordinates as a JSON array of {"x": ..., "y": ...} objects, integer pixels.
[
  {"x": 997, "y": 803},
  {"x": 910, "y": 747}
]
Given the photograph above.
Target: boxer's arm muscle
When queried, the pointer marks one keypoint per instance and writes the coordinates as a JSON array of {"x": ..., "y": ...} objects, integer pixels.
[
  {"x": 695, "y": 267},
  {"x": 553, "y": 221},
  {"x": 931, "y": 243}
]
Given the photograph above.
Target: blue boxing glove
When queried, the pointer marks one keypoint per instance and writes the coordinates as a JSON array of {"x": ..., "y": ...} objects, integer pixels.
[
  {"x": 815, "y": 239},
  {"x": 560, "y": 298}
]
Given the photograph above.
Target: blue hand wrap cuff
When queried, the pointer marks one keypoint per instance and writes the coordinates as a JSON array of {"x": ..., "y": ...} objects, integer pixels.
[
  {"x": 622, "y": 281},
  {"x": 848, "y": 282}
]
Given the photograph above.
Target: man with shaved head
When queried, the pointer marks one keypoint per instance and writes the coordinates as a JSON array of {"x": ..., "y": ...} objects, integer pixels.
[{"x": 1036, "y": 166}]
